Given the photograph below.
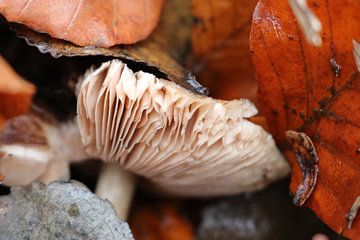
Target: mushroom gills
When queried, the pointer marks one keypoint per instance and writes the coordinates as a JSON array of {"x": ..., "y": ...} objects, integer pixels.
[{"x": 188, "y": 144}]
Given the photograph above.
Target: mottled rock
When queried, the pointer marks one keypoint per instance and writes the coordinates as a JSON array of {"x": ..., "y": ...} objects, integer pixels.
[{"x": 59, "y": 211}]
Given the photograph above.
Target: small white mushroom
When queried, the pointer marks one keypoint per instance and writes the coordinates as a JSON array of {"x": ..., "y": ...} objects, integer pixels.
[
  {"x": 185, "y": 143},
  {"x": 32, "y": 148}
]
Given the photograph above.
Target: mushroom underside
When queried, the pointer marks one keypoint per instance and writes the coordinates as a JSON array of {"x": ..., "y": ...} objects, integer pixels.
[{"x": 186, "y": 143}]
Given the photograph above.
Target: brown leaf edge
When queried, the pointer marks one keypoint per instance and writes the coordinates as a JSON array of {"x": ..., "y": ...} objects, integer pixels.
[
  {"x": 15, "y": 93},
  {"x": 148, "y": 53},
  {"x": 307, "y": 159}
]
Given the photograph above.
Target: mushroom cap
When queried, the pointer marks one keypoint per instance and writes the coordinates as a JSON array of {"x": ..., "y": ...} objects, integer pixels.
[
  {"x": 186, "y": 143},
  {"x": 24, "y": 151},
  {"x": 87, "y": 23},
  {"x": 32, "y": 147}
]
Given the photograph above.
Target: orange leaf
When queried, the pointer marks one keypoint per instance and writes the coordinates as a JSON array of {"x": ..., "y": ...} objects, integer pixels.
[
  {"x": 87, "y": 23},
  {"x": 15, "y": 93},
  {"x": 302, "y": 88},
  {"x": 160, "y": 222},
  {"x": 220, "y": 45}
]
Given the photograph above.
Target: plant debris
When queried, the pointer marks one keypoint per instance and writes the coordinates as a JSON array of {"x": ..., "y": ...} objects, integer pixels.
[
  {"x": 336, "y": 67},
  {"x": 353, "y": 212}
]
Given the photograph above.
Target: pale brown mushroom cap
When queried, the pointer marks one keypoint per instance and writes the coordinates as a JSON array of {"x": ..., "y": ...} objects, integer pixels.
[
  {"x": 186, "y": 143},
  {"x": 32, "y": 148},
  {"x": 24, "y": 151}
]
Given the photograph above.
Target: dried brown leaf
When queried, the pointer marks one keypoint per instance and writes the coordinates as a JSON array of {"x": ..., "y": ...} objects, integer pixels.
[
  {"x": 220, "y": 47},
  {"x": 15, "y": 93},
  {"x": 160, "y": 222},
  {"x": 314, "y": 90},
  {"x": 149, "y": 53},
  {"x": 87, "y": 23}
]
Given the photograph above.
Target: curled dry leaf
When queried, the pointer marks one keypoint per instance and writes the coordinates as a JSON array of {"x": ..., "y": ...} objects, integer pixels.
[
  {"x": 160, "y": 222},
  {"x": 186, "y": 143},
  {"x": 59, "y": 211},
  {"x": 300, "y": 89},
  {"x": 148, "y": 54},
  {"x": 90, "y": 23},
  {"x": 220, "y": 47},
  {"x": 15, "y": 93},
  {"x": 307, "y": 158}
]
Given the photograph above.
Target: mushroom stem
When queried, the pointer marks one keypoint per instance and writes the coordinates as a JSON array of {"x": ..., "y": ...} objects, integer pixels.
[
  {"x": 117, "y": 186},
  {"x": 65, "y": 145},
  {"x": 55, "y": 171}
]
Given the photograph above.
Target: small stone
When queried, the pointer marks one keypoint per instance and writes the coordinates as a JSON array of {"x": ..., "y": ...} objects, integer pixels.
[{"x": 59, "y": 211}]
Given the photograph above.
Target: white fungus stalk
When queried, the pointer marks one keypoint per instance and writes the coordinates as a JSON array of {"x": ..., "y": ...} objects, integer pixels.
[{"x": 116, "y": 185}]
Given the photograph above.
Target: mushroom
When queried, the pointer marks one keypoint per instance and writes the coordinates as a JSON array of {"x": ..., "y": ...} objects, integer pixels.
[
  {"x": 32, "y": 148},
  {"x": 35, "y": 146},
  {"x": 185, "y": 143}
]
